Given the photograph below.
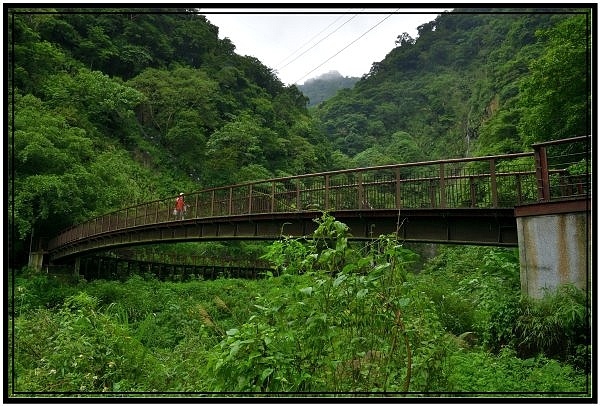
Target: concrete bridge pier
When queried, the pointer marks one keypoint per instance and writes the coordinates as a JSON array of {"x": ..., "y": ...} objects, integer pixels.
[
  {"x": 36, "y": 260},
  {"x": 37, "y": 254},
  {"x": 554, "y": 246}
]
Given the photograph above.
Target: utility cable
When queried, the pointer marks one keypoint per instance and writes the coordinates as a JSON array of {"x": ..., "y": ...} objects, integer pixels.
[
  {"x": 331, "y": 33},
  {"x": 338, "y": 52},
  {"x": 313, "y": 37}
]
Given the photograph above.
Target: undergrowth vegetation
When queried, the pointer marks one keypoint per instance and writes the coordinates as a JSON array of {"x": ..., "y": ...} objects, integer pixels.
[{"x": 343, "y": 317}]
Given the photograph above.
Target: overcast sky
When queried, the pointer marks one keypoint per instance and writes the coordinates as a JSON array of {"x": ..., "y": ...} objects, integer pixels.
[{"x": 299, "y": 44}]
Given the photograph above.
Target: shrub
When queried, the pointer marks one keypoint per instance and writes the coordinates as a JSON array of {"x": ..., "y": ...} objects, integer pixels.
[
  {"x": 481, "y": 372},
  {"x": 34, "y": 289},
  {"x": 558, "y": 325},
  {"x": 83, "y": 351}
]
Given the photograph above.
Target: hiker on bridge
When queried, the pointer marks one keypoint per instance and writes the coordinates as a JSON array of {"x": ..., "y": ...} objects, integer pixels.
[{"x": 180, "y": 207}]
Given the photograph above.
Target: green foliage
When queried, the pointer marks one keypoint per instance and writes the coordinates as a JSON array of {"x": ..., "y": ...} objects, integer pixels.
[
  {"x": 83, "y": 350},
  {"x": 556, "y": 96},
  {"x": 400, "y": 147},
  {"x": 238, "y": 144},
  {"x": 289, "y": 256},
  {"x": 98, "y": 100},
  {"x": 60, "y": 176},
  {"x": 480, "y": 372},
  {"x": 302, "y": 341},
  {"x": 358, "y": 319},
  {"x": 479, "y": 292},
  {"x": 557, "y": 326},
  {"x": 34, "y": 290},
  {"x": 472, "y": 83}
]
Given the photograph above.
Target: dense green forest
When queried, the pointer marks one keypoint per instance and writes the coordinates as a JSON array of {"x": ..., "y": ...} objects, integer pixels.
[{"x": 119, "y": 106}]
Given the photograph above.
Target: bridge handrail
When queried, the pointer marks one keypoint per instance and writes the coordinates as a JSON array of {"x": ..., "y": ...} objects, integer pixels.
[
  {"x": 317, "y": 174},
  {"x": 562, "y": 141},
  {"x": 222, "y": 195}
]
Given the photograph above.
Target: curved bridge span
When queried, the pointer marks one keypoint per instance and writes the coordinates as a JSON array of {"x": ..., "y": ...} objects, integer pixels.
[{"x": 467, "y": 200}]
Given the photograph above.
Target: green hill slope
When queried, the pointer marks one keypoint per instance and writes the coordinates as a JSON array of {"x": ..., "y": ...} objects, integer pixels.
[
  {"x": 475, "y": 81},
  {"x": 120, "y": 106}
]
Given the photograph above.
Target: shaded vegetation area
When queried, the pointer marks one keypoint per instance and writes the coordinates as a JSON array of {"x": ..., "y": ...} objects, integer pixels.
[{"x": 342, "y": 318}]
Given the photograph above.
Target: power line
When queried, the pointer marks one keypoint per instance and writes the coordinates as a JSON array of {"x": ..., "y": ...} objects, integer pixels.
[
  {"x": 331, "y": 33},
  {"x": 334, "y": 55},
  {"x": 313, "y": 37}
]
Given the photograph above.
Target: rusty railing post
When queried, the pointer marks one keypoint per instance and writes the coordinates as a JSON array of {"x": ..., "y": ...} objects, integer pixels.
[
  {"x": 398, "y": 190},
  {"x": 212, "y": 203},
  {"x": 360, "y": 190},
  {"x": 230, "y": 200},
  {"x": 250, "y": 199},
  {"x": 442, "y": 187},
  {"x": 519, "y": 189},
  {"x": 541, "y": 173},
  {"x": 472, "y": 190},
  {"x": 326, "y": 198},
  {"x": 432, "y": 199},
  {"x": 298, "y": 200},
  {"x": 272, "y": 197},
  {"x": 493, "y": 182}
]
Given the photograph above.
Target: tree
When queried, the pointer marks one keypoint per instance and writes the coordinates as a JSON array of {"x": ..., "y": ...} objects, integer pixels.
[
  {"x": 235, "y": 145},
  {"x": 60, "y": 175},
  {"x": 93, "y": 98},
  {"x": 404, "y": 40},
  {"x": 556, "y": 98},
  {"x": 170, "y": 93}
]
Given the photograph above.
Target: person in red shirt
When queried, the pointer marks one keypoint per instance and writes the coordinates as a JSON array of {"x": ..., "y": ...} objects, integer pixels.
[{"x": 180, "y": 207}]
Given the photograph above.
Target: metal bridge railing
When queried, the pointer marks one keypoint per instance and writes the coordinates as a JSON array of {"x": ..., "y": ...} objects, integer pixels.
[
  {"x": 554, "y": 170},
  {"x": 563, "y": 168}
]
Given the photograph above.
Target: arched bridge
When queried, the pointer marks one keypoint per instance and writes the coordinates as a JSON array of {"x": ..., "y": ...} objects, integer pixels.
[{"x": 467, "y": 200}]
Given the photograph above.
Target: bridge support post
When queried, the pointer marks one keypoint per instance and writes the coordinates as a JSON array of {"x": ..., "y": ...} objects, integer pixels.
[
  {"x": 554, "y": 246},
  {"x": 77, "y": 267},
  {"x": 36, "y": 260},
  {"x": 37, "y": 250}
]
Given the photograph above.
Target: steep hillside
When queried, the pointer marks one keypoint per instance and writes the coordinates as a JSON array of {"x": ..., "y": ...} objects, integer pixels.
[
  {"x": 474, "y": 82},
  {"x": 117, "y": 106}
]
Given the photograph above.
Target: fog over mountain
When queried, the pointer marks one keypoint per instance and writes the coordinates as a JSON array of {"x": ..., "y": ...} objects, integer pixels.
[{"x": 325, "y": 86}]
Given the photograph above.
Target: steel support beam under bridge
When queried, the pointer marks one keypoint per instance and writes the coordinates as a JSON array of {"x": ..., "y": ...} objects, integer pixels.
[{"x": 458, "y": 226}]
